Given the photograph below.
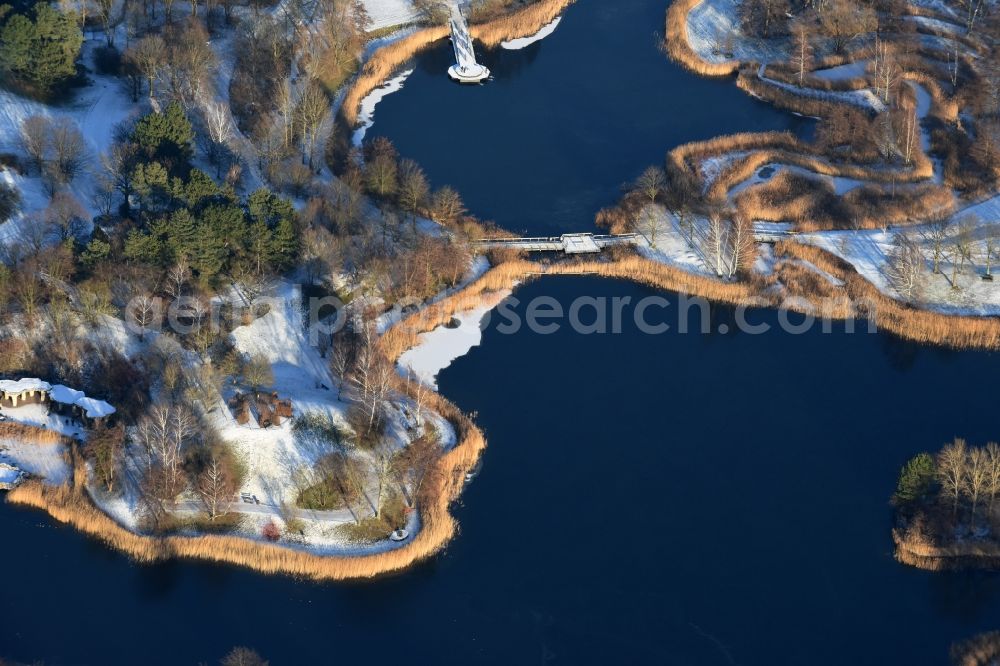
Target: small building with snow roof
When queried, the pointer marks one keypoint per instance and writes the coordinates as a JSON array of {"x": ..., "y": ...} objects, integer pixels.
[
  {"x": 27, "y": 391},
  {"x": 60, "y": 399}
]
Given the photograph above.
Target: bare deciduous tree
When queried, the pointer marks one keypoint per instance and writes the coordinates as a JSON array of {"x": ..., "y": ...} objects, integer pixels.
[
  {"x": 977, "y": 476},
  {"x": 257, "y": 373},
  {"x": 312, "y": 114},
  {"x": 164, "y": 433},
  {"x": 148, "y": 55},
  {"x": 69, "y": 150},
  {"x": 219, "y": 131},
  {"x": 177, "y": 278},
  {"x": 741, "y": 244},
  {"x": 993, "y": 479},
  {"x": 142, "y": 312},
  {"x": 413, "y": 188},
  {"x": 216, "y": 487},
  {"x": 906, "y": 268},
  {"x": 886, "y": 71},
  {"x": 938, "y": 233},
  {"x": 340, "y": 364},
  {"x": 802, "y": 50},
  {"x": 35, "y": 140},
  {"x": 951, "y": 471}
]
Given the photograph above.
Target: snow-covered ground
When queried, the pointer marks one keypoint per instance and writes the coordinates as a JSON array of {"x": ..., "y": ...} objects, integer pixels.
[
  {"x": 870, "y": 252},
  {"x": 524, "y": 42},
  {"x": 864, "y": 99},
  {"x": 846, "y": 72},
  {"x": 669, "y": 244},
  {"x": 387, "y": 13},
  {"x": 39, "y": 416},
  {"x": 274, "y": 455},
  {"x": 96, "y": 109},
  {"x": 43, "y": 460},
  {"x": 366, "y": 112},
  {"x": 440, "y": 347},
  {"x": 767, "y": 172},
  {"x": 714, "y": 34}
]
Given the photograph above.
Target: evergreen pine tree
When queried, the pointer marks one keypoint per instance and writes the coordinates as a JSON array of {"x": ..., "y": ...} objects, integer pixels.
[
  {"x": 57, "y": 45},
  {"x": 284, "y": 246},
  {"x": 144, "y": 248},
  {"x": 42, "y": 52},
  {"x": 198, "y": 188},
  {"x": 166, "y": 136},
  {"x": 208, "y": 255},
  {"x": 182, "y": 234}
]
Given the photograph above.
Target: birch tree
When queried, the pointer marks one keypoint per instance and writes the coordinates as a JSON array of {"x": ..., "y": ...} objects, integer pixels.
[
  {"x": 741, "y": 244},
  {"x": 802, "y": 51},
  {"x": 951, "y": 470},
  {"x": 885, "y": 69},
  {"x": 906, "y": 268},
  {"x": 938, "y": 233},
  {"x": 219, "y": 130},
  {"x": 340, "y": 364},
  {"x": 993, "y": 478},
  {"x": 977, "y": 478},
  {"x": 142, "y": 310},
  {"x": 717, "y": 240},
  {"x": 216, "y": 487},
  {"x": 312, "y": 113}
]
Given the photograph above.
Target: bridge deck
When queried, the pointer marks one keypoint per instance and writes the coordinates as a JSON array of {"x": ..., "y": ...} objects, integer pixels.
[
  {"x": 568, "y": 243},
  {"x": 466, "y": 68}
]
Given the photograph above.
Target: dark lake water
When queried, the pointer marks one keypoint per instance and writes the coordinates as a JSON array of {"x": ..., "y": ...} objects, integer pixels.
[
  {"x": 566, "y": 121},
  {"x": 675, "y": 498}
]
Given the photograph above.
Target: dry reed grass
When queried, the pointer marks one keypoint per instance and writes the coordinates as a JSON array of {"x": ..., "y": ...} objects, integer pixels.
[
  {"x": 30, "y": 434},
  {"x": 382, "y": 64},
  {"x": 786, "y": 73},
  {"x": 679, "y": 48},
  {"x": 953, "y": 557},
  {"x": 980, "y": 650},
  {"x": 815, "y": 206},
  {"x": 900, "y": 319},
  {"x": 523, "y": 22}
]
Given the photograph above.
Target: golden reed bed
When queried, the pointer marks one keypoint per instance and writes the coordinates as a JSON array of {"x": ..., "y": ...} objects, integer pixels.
[
  {"x": 944, "y": 558},
  {"x": 679, "y": 48},
  {"x": 930, "y": 202},
  {"x": 29, "y": 433}
]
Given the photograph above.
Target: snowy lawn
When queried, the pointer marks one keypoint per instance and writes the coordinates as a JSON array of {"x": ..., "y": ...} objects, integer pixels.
[
  {"x": 669, "y": 244},
  {"x": 386, "y": 13},
  {"x": 714, "y": 24},
  {"x": 273, "y": 456},
  {"x": 870, "y": 252},
  {"x": 44, "y": 460},
  {"x": 39, "y": 416}
]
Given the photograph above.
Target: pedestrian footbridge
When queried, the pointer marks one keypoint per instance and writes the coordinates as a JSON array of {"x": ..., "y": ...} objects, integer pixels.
[{"x": 465, "y": 69}]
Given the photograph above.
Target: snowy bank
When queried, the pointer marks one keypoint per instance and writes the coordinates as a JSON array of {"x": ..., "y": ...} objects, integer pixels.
[
  {"x": 440, "y": 347},
  {"x": 366, "y": 114},
  {"x": 524, "y": 42}
]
